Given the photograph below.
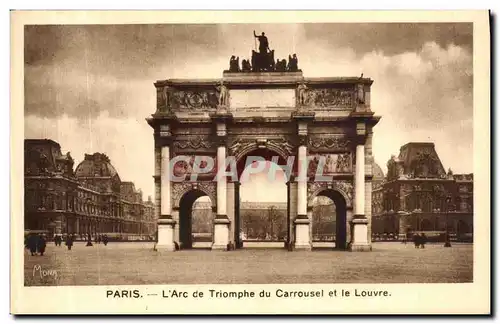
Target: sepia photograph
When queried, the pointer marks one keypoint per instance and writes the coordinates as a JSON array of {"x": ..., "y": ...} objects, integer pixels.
[{"x": 237, "y": 154}]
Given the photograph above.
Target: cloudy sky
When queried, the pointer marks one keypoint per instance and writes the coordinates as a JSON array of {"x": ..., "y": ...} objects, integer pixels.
[{"x": 90, "y": 87}]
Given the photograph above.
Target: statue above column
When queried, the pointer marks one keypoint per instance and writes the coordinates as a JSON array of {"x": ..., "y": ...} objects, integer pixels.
[
  {"x": 223, "y": 97},
  {"x": 263, "y": 60}
]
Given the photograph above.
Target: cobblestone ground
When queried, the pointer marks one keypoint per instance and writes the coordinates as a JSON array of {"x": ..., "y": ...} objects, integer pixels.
[{"x": 137, "y": 263}]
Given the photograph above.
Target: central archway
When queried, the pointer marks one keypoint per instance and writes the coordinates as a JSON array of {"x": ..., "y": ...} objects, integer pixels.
[{"x": 262, "y": 213}]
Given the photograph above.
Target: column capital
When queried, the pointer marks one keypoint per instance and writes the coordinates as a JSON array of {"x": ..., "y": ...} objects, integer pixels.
[
  {"x": 220, "y": 140},
  {"x": 221, "y": 219},
  {"x": 359, "y": 219},
  {"x": 161, "y": 118},
  {"x": 301, "y": 115},
  {"x": 301, "y": 219},
  {"x": 302, "y": 139},
  {"x": 221, "y": 116},
  {"x": 166, "y": 220},
  {"x": 163, "y": 141}
]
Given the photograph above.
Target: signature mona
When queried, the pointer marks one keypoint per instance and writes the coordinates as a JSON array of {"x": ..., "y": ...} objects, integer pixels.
[{"x": 38, "y": 271}]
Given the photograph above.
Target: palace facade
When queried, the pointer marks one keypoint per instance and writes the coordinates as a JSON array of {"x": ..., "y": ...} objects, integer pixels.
[
  {"x": 90, "y": 199},
  {"x": 418, "y": 195}
]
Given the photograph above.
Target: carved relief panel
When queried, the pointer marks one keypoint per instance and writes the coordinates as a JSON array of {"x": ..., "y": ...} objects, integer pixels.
[
  {"x": 171, "y": 98},
  {"x": 186, "y": 166},
  {"x": 329, "y": 143},
  {"x": 191, "y": 144},
  {"x": 331, "y": 164},
  {"x": 193, "y": 100},
  {"x": 332, "y": 98}
]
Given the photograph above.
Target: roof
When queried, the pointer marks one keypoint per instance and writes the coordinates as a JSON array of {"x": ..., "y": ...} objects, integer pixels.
[
  {"x": 421, "y": 160},
  {"x": 378, "y": 174},
  {"x": 95, "y": 165}
]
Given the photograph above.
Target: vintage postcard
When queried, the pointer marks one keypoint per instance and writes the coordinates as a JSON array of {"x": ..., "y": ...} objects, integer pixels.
[{"x": 250, "y": 162}]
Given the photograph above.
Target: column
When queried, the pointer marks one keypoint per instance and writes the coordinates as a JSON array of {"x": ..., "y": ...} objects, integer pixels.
[
  {"x": 302, "y": 182},
  {"x": 58, "y": 227},
  {"x": 165, "y": 222},
  {"x": 359, "y": 223},
  {"x": 230, "y": 210},
  {"x": 77, "y": 225},
  {"x": 221, "y": 222},
  {"x": 291, "y": 213},
  {"x": 302, "y": 223},
  {"x": 359, "y": 178},
  {"x": 175, "y": 217}
]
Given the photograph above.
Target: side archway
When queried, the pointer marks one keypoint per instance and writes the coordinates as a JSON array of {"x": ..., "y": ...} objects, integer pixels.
[
  {"x": 341, "y": 206},
  {"x": 192, "y": 218}
]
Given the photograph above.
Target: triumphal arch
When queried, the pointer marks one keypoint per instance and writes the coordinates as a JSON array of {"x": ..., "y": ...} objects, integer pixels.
[{"x": 324, "y": 124}]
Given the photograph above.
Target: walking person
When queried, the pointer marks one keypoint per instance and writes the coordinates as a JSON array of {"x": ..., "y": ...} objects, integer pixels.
[
  {"x": 89, "y": 241},
  {"x": 32, "y": 243},
  {"x": 69, "y": 241},
  {"x": 416, "y": 240},
  {"x": 423, "y": 240},
  {"x": 41, "y": 244}
]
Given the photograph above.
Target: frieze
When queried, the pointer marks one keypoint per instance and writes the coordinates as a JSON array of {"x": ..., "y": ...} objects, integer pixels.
[
  {"x": 335, "y": 143},
  {"x": 196, "y": 142},
  {"x": 333, "y": 163},
  {"x": 341, "y": 98},
  {"x": 185, "y": 167},
  {"x": 193, "y": 99}
]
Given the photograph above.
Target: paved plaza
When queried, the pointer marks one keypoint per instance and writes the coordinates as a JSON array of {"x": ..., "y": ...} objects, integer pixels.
[{"x": 137, "y": 263}]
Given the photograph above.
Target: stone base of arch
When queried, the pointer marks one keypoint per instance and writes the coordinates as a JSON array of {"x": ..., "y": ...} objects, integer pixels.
[
  {"x": 221, "y": 233},
  {"x": 165, "y": 235},
  {"x": 359, "y": 235},
  {"x": 302, "y": 234}
]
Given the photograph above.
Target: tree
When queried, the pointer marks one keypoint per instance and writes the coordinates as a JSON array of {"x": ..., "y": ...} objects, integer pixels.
[{"x": 276, "y": 222}]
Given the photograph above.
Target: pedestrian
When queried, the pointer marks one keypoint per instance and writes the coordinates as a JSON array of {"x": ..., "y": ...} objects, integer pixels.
[
  {"x": 416, "y": 240},
  {"x": 89, "y": 241},
  {"x": 58, "y": 240},
  {"x": 32, "y": 243},
  {"x": 42, "y": 243},
  {"x": 105, "y": 239},
  {"x": 69, "y": 241},
  {"x": 423, "y": 240}
]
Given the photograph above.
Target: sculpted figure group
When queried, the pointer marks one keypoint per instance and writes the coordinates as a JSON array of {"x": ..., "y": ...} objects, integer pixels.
[{"x": 263, "y": 60}]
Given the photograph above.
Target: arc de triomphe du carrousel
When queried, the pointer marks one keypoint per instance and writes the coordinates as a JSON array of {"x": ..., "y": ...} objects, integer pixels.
[{"x": 319, "y": 126}]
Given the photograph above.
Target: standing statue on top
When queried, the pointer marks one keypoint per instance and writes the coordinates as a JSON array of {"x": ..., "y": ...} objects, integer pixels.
[
  {"x": 263, "y": 60},
  {"x": 263, "y": 42}
]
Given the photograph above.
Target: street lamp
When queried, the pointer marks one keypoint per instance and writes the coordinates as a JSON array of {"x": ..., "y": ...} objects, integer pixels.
[{"x": 447, "y": 242}]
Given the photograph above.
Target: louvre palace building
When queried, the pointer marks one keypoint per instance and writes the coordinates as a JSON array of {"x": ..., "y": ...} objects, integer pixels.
[
  {"x": 418, "y": 195},
  {"x": 90, "y": 199}
]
